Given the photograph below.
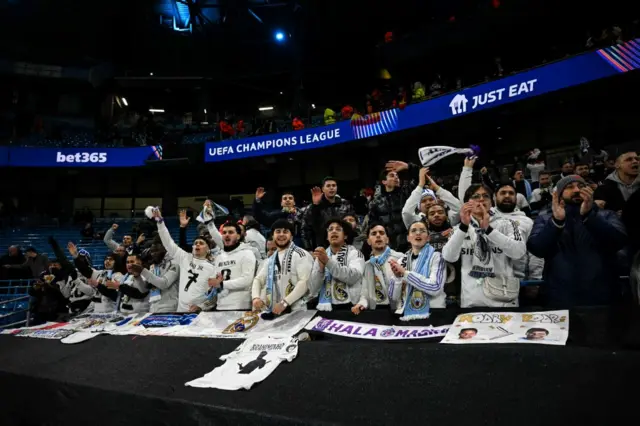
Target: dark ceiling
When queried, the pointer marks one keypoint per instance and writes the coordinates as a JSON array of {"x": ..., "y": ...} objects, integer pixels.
[{"x": 335, "y": 50}]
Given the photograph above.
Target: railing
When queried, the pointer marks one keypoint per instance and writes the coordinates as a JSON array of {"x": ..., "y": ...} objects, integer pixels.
[{"x": 15, "y": 303}]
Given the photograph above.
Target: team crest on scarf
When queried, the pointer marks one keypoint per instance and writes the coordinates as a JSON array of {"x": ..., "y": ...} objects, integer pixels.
[
  {"x": 333, "y": 291},
  {"x": 245, "y": 323},
  {"x": 418, "y": 299},
  {"x": 340, "y": 292},
  {"x": 379, "y": 291}
]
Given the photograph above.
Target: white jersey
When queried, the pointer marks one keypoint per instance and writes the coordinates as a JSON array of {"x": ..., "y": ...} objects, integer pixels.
[
  {"x": 102, "y": 303},
  {"x": 507, "y": 242},
  {"x": 76, "y": 291},
  {"x": 194, "y": 273},
  {"x": 131, "y": 305},
  {"x": 293, "y": 271},
  {"x": 251, "y": 362},
  {"x": 238, "y": 268}
]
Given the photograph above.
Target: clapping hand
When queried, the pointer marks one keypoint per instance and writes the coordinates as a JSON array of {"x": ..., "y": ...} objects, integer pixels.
[
  {"x": 587, "y": 200},
  {"x": 557, "y": 207},
  {"x": 397, "y": 269},
  {"x": 321, "y": 254}
]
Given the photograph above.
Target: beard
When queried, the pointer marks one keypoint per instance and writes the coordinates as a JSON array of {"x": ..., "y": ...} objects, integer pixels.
[
  {"x": 282, "y": 246},
  {"x": 506, "y": 207},
  {"x": 574, "y": 201}
]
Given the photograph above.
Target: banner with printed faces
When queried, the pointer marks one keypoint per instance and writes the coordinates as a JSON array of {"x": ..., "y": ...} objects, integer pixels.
[{"x": 546, "y": 328}]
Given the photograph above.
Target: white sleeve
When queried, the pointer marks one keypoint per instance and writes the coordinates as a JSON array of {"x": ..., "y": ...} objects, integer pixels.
[
  {"x": 247, "y": 272},
  {"x": 172, "y": 248},
  {"x": 521, "y": 201},
  {"x": 164, "y": 281},
  {"x": 108, "y": 240},
  {"x": 351, "y": 274},
  {"x": 303, "y": 271},
  {"x": 408, "y": 211},
  {"x": 433, "y": 285},
  {"x": 453, "y": 247},
  {"x": 466, "y": 177},
  {"x": 535, "y": 196},
  {"x": 447, "y": 197},
  {"x": 85, "y": 288},
  {"x": 510, "y": 238},
  {"x": 260, "y": 281},
  {"x": 215, "y": 234}
]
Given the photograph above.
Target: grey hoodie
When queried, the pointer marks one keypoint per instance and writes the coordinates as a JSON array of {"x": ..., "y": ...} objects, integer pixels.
[
  {"x": 625, "y": 190},
  {"x": 164, "y": 277}
]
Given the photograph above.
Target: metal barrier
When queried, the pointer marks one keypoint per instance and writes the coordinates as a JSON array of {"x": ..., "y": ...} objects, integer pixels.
[{"x": 15, "y": 302}]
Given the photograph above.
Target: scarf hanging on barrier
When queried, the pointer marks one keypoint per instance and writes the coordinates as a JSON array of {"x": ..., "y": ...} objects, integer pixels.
[
  {"x": 273, "y": 290},
  {"x": 329, "y": 287},
  {"x": 374, "y": 273},
  {"x": 414, "y": 302}
]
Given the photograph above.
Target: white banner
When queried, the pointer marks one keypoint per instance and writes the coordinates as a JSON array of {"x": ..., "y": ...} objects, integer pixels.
[
  {"x": 230, "y": 324},
  {"x": 547, "y": 328},
  {"x": 375, "y": 331}
]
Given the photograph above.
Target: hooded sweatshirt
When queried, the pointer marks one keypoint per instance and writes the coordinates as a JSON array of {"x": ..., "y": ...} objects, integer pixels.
[
  {"x": 506, "y": 243},
  {"x": 238, "y": 268},
  {"x": 410, "y": 213},
  {"x": 615, "y": 192}
]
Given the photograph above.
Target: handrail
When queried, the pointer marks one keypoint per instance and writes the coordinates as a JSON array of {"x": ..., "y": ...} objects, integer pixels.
[{"x": 15, "y": 300}]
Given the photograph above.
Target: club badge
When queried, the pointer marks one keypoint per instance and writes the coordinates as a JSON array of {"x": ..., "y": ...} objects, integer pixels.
[
  {"x": 379, "y": 291},
  {"x": 418, "y": 299},
  {"x": 340, "y": 292},
  {"x": 289, "y": 289},
  {"x": 243, "y": 324}
]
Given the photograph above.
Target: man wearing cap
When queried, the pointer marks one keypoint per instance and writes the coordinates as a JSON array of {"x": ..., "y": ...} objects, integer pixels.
[
  {"x": 282, "y": 280},
  {"x": 578, "y": 242},
  {"x": 426, "y": 194},
  {"x": 35, "y": 262}
]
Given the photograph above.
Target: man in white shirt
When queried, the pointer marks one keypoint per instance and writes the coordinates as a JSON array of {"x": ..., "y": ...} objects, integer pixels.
[
  {"x": 195, "y": 268},
  {"x": 235, "y": 270},
  {"x": 282, "y": 279},
  {"x": 422, "y": 198}
]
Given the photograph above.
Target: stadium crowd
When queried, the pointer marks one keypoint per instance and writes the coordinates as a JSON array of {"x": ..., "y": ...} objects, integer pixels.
[{"x": 419, "y": 247}]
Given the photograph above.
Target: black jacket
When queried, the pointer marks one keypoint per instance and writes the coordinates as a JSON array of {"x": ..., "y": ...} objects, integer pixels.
[
  {"x": 386, "y": 208},
  {"x": 316, "y": 216}
]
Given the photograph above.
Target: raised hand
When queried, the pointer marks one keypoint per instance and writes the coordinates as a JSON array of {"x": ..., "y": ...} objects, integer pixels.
[
  {"x": 73, "y": 250},
  {"x": 316, "y": 195},
  {"x": 557, "y": 207},
  {"x": 140, "y": 239},
  {"x": 484, "y": 170},
  {"x": 470, "y": 162},
  {"x": 114, "y": 226},
  {"x": 587, "y": 200},
  {"x": 396, "y": 166},
  {"x": 260, "y": 192},
  {"x": 321, "y": 254},
  {"x": 423, "y": 176},
  {"x": 465, "y": 212},
  {"x": 486, "y": 218},
  {"x": 184, "y": 219}
]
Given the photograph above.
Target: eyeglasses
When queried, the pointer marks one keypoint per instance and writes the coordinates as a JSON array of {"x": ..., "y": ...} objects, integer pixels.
[
  {"x": 481, "y": 196},
  {"x": 417, "y": 231}
]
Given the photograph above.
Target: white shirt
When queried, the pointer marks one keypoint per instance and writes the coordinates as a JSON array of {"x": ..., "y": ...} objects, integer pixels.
[
  {"x": 194, "y": 273},
  {"x": 238, "y": 268}
]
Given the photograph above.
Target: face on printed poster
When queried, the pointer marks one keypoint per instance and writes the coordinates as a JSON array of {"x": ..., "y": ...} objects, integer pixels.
[{"x": 550, "y": 328}]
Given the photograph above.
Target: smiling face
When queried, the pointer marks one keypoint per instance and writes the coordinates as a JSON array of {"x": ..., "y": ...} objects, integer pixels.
[
  {"x": 330, "y": 189},
  {"x": 133, "y": 260},
  {"x": 335, "y": 234},
  {"x": 418, "y": 236},
  {"x": 392, "y": 180},
  {"x": 377, "y": 238},
  {"x": 230, "y": 236},
  {"x": 282, "y": 237}
]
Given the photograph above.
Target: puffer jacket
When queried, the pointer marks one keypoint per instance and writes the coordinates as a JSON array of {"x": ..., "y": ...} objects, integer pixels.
[
  {"x": 316, "y": 216},
  {"x": 580, "y": 256},
  {"x": 386, "y": 208}
]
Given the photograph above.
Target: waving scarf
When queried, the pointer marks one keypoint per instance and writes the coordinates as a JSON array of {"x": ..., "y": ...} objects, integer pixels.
[
  {"x": 414, "y": 303},
  {"x": 430, "y": 155},
  {"x": 376, "y": 280},
  {"x": 205, "y": 216},
  {"x": 273, "y": 290},
  {"x": 330, "y": 287}
]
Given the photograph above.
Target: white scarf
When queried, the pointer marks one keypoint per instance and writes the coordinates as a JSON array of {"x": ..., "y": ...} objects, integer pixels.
[{"x": 334, "y": 291}]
